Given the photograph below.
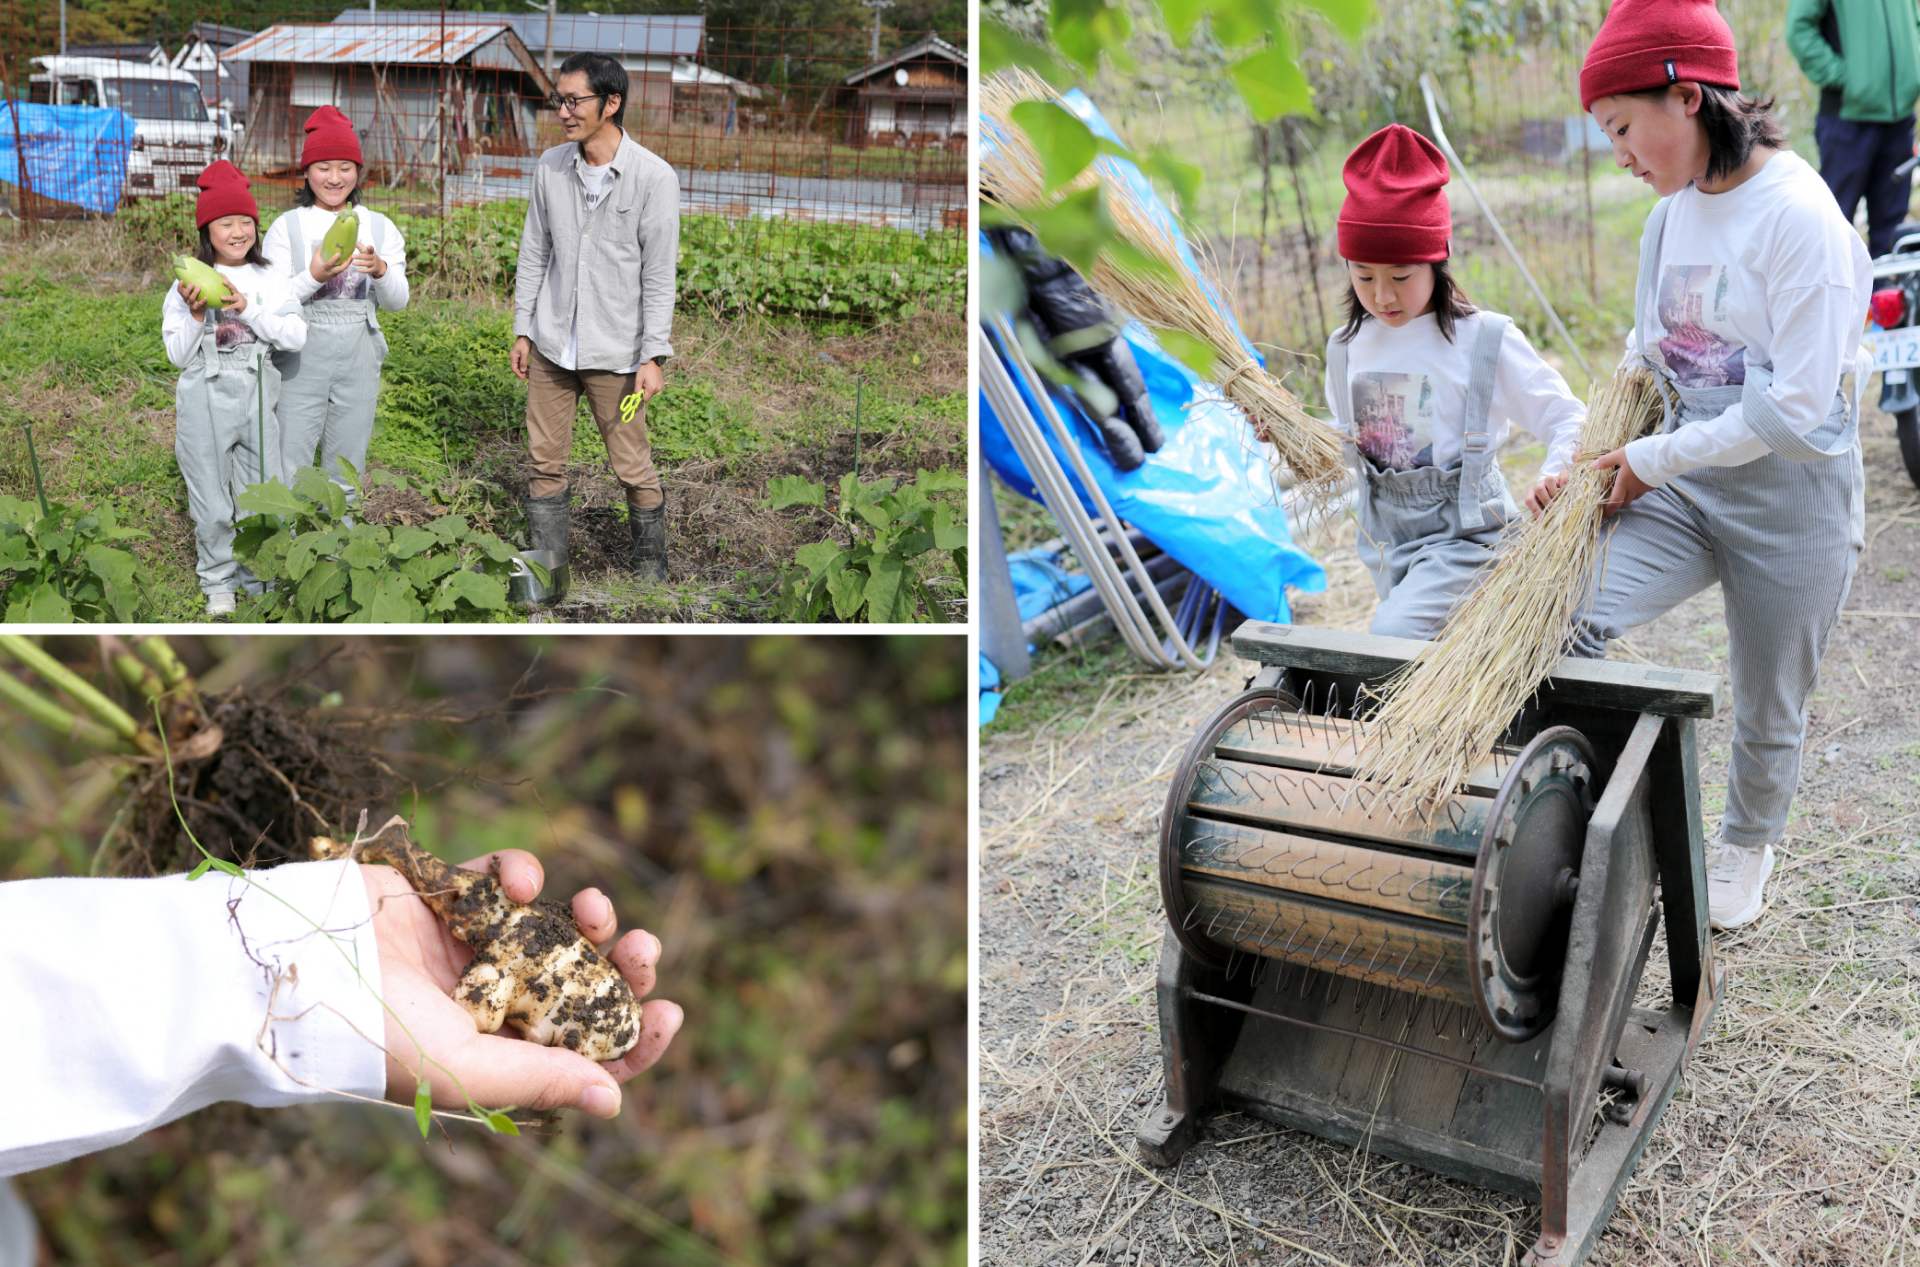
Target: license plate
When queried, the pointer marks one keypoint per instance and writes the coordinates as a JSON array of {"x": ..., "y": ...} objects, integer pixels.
[{"x": 1893, "y": 349}]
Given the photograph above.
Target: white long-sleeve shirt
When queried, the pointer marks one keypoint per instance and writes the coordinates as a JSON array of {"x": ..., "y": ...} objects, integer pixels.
[
  {"x": 272, "y": 315},
  {"x": 1767, "y": 273},
  {"x": 376, "y": 230},
  {"x": 1408, "y": 394},
  {"x": 131, "y": 1003}
]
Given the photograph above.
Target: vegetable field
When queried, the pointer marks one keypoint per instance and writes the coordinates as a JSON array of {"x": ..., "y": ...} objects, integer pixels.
[{"x": 807, "y": 351}]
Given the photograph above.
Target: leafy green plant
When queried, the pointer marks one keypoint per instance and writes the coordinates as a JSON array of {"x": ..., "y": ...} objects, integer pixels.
[
  {"x": 793, "y": 268},
  {"x": 59, "y": 564},
  {"x": 321, "y": 566},
  {"x": 876, "y": 567}
]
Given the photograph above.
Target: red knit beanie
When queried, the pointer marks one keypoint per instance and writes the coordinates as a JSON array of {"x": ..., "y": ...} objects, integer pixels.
[
  {"x": 329, "y": 135},
  {"x": 1396, "y": 209},
  {"x": 1652, "y": 43},
  {"x": 223, "y": 192}
]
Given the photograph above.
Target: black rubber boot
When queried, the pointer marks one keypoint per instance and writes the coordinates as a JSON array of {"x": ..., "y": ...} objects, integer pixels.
[
  {"x": 649, "y": 541},
  {"x": 548, "y": 521}
]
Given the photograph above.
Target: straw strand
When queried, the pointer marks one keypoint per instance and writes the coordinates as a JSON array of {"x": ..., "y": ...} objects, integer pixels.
[{"x": 1011, "y": 176}]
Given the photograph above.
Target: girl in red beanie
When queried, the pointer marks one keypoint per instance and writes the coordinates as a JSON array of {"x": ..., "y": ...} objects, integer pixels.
[
  {"x": 330, "y": 387},
  {"x": 1752, "y": 292},
  {"x": 1427, "y": 387},
  {"x": 225, "y": 433}
]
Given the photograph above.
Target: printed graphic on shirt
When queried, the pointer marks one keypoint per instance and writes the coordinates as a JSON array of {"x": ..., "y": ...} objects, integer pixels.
[
  {"x": 1393, "y": 419},
  {"x": 350, "y": 284},
  {"x": 1700, "y": 344},
  {"x": 231, "y": 332}
]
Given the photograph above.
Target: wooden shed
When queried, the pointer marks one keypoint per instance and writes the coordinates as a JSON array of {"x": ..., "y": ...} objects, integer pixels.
[
  {"x": 424, "y": 95},
  {"x": 917, "y": 97}
]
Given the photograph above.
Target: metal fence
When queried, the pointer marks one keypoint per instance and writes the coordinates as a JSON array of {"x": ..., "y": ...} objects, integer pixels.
[
  {"x": 761, "y": 124},
  {"x": 1507, "y": 78}
]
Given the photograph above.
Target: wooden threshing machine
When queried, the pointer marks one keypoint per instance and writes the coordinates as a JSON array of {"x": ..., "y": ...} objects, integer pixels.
[{"x": 1459, "y": 993}]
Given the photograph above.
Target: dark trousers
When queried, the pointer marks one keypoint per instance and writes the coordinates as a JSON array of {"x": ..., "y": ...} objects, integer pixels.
[{"x": 1857, "y": 161}]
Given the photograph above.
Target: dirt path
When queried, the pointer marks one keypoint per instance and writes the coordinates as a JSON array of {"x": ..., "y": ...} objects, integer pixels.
[{"x": 1794, "y": 1140}]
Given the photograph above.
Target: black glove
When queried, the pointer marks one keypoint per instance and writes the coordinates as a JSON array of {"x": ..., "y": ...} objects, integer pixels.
[{"x": 1079, "y": 328}]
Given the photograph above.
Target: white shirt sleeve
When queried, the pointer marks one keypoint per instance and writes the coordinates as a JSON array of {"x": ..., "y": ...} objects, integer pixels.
[
  {"x": 276, "y": 317},
  {"x": 1532, "y": 393},
  {"x": 390, "y": 292},
  {"x": 131, "y": 1003},
  {"x": 178, "y": 330},
  {"x": 1807, "y": 365}
]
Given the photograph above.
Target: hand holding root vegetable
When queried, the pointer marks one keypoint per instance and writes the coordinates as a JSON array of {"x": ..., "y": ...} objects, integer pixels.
[{"x": 423, "y": 960}]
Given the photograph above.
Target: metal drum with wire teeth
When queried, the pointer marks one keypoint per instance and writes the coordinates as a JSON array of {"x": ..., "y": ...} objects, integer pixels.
[
  {"x": 1271, "y": 849},
  {"x": 1454, "y": 988}
]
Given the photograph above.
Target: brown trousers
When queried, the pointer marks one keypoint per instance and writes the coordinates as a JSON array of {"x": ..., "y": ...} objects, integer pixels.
[{"x": 553, "y": 399}]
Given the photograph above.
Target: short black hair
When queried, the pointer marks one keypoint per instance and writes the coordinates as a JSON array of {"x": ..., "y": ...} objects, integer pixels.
[
  {"x": 1450, "y": 303},
  {"x": 1736, "y": 124},
  {"x": 604, "y": 75},
  {"x": 207, "y": 255}
]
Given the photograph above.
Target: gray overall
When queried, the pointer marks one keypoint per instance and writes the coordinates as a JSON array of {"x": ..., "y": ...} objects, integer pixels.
[
  {"x": 330, "y": 386},
  {"x": 1781, "y": 534},
  {"x": 226, "y": 437},
  {"x": 1425, "y": 532}
]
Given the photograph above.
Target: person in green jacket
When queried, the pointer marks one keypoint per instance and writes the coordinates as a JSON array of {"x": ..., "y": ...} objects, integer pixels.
[{"x": 1865, "y": 57}]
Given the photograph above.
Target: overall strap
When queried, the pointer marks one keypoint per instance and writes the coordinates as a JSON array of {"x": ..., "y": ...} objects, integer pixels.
[
  {"x": 296, "y": 241},
  {"x": 1476, "y": 441},
  {"x": 1646, "y": 294},
  {"x": 1340, "y": 401},
  {"x": 209, "y": 345}
]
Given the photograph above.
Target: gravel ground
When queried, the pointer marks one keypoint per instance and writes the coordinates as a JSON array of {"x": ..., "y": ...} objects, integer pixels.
[{"x": 1795, "y": 1138}]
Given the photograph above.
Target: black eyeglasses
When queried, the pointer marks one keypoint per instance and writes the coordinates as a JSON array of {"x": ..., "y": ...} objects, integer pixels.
[{"x": 571, "y": 105}]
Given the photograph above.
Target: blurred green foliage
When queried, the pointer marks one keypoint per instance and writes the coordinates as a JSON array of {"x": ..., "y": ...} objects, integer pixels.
[{"x": 788, "y": 815}]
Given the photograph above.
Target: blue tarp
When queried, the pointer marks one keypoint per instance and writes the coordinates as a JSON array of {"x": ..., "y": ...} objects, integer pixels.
[
  {"x": 1040, "y": 583},
  {"x": 76, "y": 154},
  {"x": 989, "y": 690},
  {"x": 1207, "y": 497}
]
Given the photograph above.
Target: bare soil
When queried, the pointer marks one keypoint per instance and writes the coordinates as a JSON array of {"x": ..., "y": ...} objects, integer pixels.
[{"x": 1795, "y": 1138}]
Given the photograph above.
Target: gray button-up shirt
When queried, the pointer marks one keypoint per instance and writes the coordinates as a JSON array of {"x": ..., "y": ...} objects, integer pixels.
[{"x": 615, "y": 264}]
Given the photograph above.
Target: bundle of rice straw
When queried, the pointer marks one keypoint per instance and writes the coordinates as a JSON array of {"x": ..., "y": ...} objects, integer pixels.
[
  {"x": 1441, "y": 716},
  {"x": 1011, "y": 175}
]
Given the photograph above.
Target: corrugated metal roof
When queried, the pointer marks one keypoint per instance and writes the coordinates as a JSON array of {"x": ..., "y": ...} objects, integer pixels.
[
  {"x": 384, "y": 43},
  {"x": 649, "y": 35}
]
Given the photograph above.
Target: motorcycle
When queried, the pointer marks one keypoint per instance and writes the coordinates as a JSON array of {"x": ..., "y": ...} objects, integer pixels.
[{"x": 1893, "y": 334}]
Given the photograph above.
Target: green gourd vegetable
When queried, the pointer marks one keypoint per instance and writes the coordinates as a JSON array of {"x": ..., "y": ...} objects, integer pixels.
[
  {"x": 214, "y": 289},
  {"x": 341, "y": 238}
]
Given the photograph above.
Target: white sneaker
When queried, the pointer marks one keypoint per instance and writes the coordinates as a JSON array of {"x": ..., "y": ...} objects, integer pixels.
[
  {"x": 221, "y": 604},
  {"x": 1736, "y": 878}
]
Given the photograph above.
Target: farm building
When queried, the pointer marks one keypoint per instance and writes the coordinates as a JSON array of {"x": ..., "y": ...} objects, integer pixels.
[
  {"x": 917, "y": 97},
  {"x": 423, "y": 97},
  {"x": 220, "y": 83},
  {"x": 661, "y": 54}
]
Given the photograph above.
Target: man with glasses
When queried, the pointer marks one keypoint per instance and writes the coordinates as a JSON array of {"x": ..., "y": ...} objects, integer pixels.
[{"x": 593, "y": 304}]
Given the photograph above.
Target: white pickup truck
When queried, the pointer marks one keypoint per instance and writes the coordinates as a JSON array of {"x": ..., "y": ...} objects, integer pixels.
[{"x": 175, "y": 135}]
